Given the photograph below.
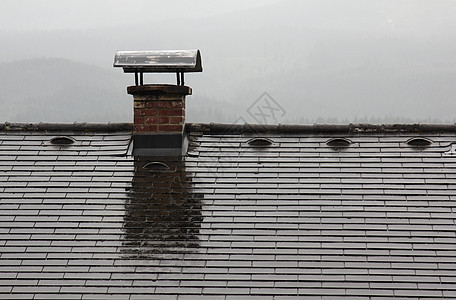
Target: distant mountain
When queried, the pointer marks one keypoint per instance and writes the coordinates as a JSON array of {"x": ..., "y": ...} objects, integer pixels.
[{"x": 61, "y": 90}]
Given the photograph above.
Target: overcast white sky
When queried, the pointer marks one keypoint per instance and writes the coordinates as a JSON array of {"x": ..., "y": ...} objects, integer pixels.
[{"x": 89, "y": 14}]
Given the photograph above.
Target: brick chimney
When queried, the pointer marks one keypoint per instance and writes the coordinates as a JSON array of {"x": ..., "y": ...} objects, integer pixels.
[
  {"x": 159, "y": 118},
  {"x": 159, "y": 109}
]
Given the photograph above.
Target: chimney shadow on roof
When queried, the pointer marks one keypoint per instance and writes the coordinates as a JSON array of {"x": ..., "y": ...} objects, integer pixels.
[{"x": 163, "y": 213}]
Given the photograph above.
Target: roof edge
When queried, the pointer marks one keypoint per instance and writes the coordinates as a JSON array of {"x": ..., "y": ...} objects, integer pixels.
[
  {"x": 217, "y": 128},
  {"x": 105, "y": 127}
]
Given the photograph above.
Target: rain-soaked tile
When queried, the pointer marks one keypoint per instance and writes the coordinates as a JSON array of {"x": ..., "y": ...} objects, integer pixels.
[{"x": 233, "y": 221}]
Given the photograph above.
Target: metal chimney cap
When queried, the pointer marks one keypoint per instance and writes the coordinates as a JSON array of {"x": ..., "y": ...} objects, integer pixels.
[{"x": 159, "y": 61}]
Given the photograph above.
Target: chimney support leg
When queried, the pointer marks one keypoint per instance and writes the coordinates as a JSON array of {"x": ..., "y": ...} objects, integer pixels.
[{"x": 182, "y": 79}]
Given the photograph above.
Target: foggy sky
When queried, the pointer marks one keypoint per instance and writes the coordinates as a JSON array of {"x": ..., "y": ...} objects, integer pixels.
[
  {"x": 92, "y": 14},
  {"x": 321, "y": 60}
]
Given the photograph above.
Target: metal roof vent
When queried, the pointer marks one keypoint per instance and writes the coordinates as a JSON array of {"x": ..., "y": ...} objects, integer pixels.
[
  {"x": 339, "y": 143},
  {"x": 451, "y": 151},
  {"x": 260, "y": 142},
  {"x": 156, "y": 166},
  {"x": 62, "y": 141},
  {"x": 161, "y": 61},
  {"x": 419, "y": 142}
]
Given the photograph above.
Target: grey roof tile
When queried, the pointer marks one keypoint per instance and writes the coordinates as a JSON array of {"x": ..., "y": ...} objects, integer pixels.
[{"x": 296, "y": 220}]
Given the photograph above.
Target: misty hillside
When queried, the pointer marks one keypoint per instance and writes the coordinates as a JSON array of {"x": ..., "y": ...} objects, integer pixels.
[
  {"x": 61, "y": 90},
  {"x": 51, "y": 90}
]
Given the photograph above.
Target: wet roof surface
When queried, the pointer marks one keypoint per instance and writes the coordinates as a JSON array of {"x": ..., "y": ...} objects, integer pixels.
[{"x": 374, "y": 219}]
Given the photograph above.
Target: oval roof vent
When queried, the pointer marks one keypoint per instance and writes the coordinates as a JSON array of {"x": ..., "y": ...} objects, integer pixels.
[
  {"x": 419, "y": 142},
  {"x": 62, "y": 141},
  {"x": 260, "y": 142},
  {"x": 339, "y": 143},
  {"x": 155, "y": 166}
]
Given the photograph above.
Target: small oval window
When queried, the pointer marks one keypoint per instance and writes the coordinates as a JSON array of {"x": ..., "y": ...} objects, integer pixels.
[
  {"x": 339, "y": 143},
  {"x": 62, "y": 141},
  {"x": 155, "y": 166},
  {"x": 259, "y": 142},
  {"x": 419, "y": 142}
]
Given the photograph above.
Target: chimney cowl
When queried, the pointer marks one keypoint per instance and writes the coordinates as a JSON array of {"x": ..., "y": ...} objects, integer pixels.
[{"x": 159, "y": 61}]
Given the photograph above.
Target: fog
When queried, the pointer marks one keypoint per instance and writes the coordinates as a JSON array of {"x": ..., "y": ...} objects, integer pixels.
[{"x": 312, "y": 61}]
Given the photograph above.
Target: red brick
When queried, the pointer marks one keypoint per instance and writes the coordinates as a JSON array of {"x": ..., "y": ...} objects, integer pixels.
[
  {"x": 139, "y": 104},
  {"x": 176, "y": 120},
  {"x": 158, "y": 104},
  {"x": 151, "y": 128},
  {"x": 170, "y": 128},
  {"x": 146, "y": 112},
  {"x": 172, "y": 112},
  {"x": 146, "y": 128},
  {"x": 177, "y": 104},
  {"x": 139, "y": 120},
  {"x": 156, "y": 120}
]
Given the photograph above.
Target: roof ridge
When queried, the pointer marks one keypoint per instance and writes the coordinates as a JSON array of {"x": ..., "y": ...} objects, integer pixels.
[
  {"x": 217, "y": 128},
  {"x": 83, "y": 126}
]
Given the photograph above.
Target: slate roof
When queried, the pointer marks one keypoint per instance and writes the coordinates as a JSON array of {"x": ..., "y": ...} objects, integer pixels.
[{"x": 296, "y": 219}]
